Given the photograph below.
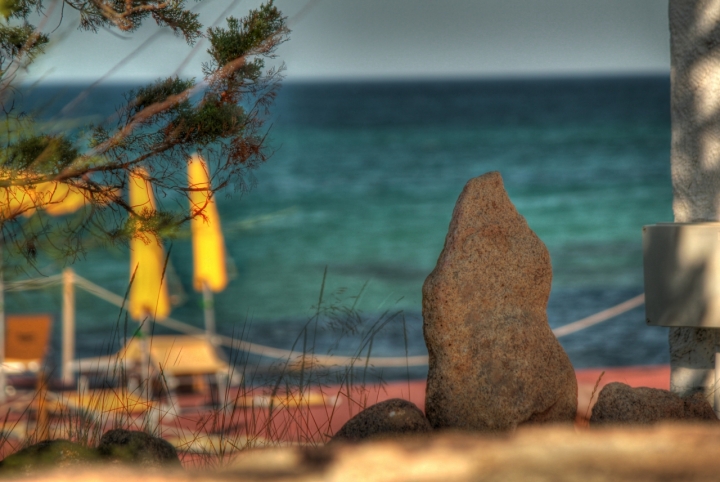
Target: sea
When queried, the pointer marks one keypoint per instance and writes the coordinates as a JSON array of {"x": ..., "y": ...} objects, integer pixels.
[{"x": 348, "y": 216}]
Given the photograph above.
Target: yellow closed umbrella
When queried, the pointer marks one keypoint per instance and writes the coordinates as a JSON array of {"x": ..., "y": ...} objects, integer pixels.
[
  {"x": 209, "y": 272},
  {"x": 16, "y": 200},
  {"x": 208, "y": 244},
  {"x": 148, "y": 293},
  {"x": 59, "y": 198}
]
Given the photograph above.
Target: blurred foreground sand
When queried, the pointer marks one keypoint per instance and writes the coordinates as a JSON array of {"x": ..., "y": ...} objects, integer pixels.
[{"x": 549, "y": 453}]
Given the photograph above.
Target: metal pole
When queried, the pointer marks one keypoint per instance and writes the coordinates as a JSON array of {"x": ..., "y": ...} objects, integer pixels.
[
  {"x": 3, "y": 381},
  {"x": 68, "y": 326},
  {"x": 145, "y": 362},
  {"x": 152, "y": 416},
  {"x": 221, "y": 381},
  {"x": 209, "y": 309}
]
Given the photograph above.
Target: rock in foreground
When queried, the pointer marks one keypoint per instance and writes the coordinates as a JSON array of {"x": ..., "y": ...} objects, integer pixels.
[
  {"x": 622, "y": 404},
  {"x": 137, "y": 448},
  {"x": 46, "y": 455},
  {"x": 388, "y": 419},
  {"x": 494, "y": 362}
]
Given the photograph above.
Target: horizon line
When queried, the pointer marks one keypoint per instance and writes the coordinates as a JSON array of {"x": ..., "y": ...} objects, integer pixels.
[{"x": 539, "y": 76}]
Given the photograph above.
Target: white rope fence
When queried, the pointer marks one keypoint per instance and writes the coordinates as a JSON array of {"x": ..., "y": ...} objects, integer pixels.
[
  {"x": 600, "y": 317},
  {"x": 33, "y": 284},
  {"x": 278, "y": 353}
]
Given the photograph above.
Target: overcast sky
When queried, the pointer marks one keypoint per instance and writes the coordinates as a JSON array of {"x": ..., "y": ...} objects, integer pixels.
[{"x": 334, "y": 39}]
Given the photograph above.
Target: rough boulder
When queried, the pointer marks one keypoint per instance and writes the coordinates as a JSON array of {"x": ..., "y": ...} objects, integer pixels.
[
  {"x": 494, "y": 362},
  {"x": 621, "y": 404}
]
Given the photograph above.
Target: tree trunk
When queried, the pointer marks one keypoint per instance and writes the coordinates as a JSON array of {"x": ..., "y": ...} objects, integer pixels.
[{"x": 695, "y": 162}]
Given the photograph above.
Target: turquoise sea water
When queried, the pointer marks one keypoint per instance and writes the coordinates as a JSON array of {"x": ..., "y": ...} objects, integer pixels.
[{"x": 363, "y": 183}]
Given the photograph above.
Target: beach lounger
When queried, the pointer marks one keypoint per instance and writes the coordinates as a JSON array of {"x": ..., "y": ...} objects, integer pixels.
[
  {"x": 178, "y": 355},
  {"x": 183, "y": 356},
  {"x": 172, "y": 358},
  {"x": 27, "y": 338}
]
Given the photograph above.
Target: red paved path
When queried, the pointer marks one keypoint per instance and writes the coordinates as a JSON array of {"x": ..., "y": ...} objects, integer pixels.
[
  {"x": 302, "y": 422},
  {"x": 312, "y": 423}
]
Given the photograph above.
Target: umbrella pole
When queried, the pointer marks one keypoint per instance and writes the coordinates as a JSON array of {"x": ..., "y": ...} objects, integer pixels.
[
  {"x": 209, "y": 308},
  {"x": 145, "y": 349},
  {"x": 152, "y": 422},
  {"x": 222, "y": 381}
]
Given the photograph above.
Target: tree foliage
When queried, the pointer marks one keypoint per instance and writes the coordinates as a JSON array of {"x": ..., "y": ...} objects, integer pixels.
[{"x": 155, "y": 131}]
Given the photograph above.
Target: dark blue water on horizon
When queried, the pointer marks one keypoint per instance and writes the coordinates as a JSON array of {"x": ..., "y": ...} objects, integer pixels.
[{"x": 363, "y": 182}]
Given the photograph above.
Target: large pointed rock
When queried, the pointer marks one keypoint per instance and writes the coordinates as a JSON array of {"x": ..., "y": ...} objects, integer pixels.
[{"x": 494, "y": 362}]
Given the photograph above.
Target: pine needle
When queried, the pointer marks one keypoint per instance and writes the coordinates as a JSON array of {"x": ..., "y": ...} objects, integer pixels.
[{"x": 592, "y": 395}]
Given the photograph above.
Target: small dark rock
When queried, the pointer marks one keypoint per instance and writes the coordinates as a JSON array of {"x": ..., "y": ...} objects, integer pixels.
[
  {"x": 48, "y": 454},
  {"x": 391, "y": 418},
  {"x": 137, "y": 448},
  {"x": 621, "y": 404}
]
